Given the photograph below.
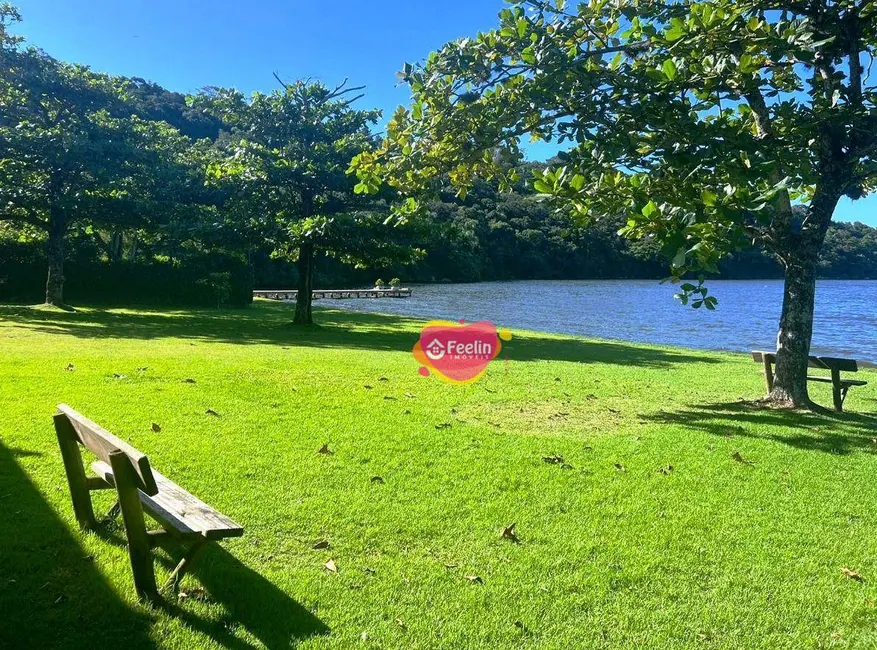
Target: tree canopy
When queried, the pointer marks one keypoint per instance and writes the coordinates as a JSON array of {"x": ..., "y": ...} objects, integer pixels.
[{"x": 702, "y": 123}]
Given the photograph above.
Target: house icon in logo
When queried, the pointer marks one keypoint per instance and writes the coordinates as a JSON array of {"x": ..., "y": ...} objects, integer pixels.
[{"x": 435, "y": 350}]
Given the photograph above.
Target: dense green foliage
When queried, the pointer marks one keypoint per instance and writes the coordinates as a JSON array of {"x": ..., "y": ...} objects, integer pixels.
[{"x": 136, "y": 189}]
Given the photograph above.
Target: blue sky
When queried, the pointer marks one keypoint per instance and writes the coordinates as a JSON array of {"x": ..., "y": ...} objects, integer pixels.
[{"x": 186, "y": 44}]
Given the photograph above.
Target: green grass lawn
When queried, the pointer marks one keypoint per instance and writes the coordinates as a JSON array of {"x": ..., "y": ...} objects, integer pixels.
[{"x": 613, "y": 551}]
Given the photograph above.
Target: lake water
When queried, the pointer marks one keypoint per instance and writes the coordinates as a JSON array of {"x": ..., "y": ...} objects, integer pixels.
[{"x": 645, "y": 311}]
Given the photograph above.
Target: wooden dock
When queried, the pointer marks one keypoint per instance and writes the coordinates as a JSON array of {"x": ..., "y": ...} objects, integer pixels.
[{"x": 333, "y": 294}]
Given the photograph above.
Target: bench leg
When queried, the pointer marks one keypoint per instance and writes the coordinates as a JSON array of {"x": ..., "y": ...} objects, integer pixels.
[
  {"x": 836, "y": 391},
  {"x": 173, "y": 581},
  {"x": 768, "y": 375},
  {"x": 139, "y": 546},
  {"x": 76, "y": 478}
]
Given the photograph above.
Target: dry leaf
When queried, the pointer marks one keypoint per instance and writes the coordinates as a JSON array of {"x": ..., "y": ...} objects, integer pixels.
[
  {"x": 70, "y": 367},
  {"x": 189, "y": 380},
  {"x": 367, "y": 387},
  {"x": 555, "y": 459},
  {"x": 401, "y": 623},
  {"x": 143, "y": 369},
  {"x": 451, "y": 566},
  {"x": 443, "y": 425},
  {"x": 369, "y": 571},
  {"x": 156, "y": 427},
  {"x": 509, "y": 533},
  {"x": 389, "y": 397},
  {"x": 852, "y": 575},
  {"x": 739, "y": 458},
  {"x": 620, "y": 467},
  {"x": 410, "y": 395},
  {"x": 331, "y": 567},
  {"x": 322, "y": 544},
  {"x": 325, "y": 450},
  {"x": 212, "y": 412},
  {"x": 475, "y": 580},
  {"x": 383, "y": 379},
  {"x": 118, "y": 376},
  {"x": 376, "y": 479},
  {"x": 666, "y": 470}
]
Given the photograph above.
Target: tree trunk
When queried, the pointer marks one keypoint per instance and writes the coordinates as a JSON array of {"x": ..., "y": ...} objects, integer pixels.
[
  {"x": 304, "y": 299},
  {"x": 801, "y": 259},
  {"x": 795, "y": 332},
  {"x": 55, "y": 257}
]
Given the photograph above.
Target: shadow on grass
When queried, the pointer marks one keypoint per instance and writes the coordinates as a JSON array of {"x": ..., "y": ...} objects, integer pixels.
[
  {"x": 270, "y": 323},
  {"x": 820, "y": 430},
  {"x": 249, "y": 600},
  {"x": 51, "y": 594}
]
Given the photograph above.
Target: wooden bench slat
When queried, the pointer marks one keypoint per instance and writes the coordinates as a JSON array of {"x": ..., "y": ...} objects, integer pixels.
[
  {"x": 101, "y": 442},
  {"x": 826, "y": 363},
  {"x": 174, "y": 507}
]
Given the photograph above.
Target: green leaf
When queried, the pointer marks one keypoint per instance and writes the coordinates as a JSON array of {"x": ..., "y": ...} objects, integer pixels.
[
  {"x": 577, "y": 182},
  {"x": 679, "y": 259},
  {"x": 669, "y": 69},
  {"x": 650, "y": 209},
  {"x": 709, "y": 197},
  {"x": 542, "y": 187}
]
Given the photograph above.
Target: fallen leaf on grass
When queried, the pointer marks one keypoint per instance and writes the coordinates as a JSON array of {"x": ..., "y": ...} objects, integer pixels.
[
  {"x": 70, "y": 367},
  {"x": 443, "y": 425},
  {"x": 331, "y": 567},
  {"x": 852, "y": 575},
  {"x": 322, "y": 544},
  {"x": 410, "y": 395},
  {"x": 509, "y": 533},
  {"x": 475, "y": 580},
  {"x": 613, "y": 410},
  {"x": 156, "y": 427},
  {"x": 554, "y": 459},
  {"x": 212, "y": 412},
  {"x": 189, "y": 380},
  {"x": 118, "y": 376},
  {"x": 367, "y": 387},
  {"x": 390, "y": 397},
  {"x": 739, "y": 458},
  {"x": 369, "y": 571},
  {"x": 325, "y": 450},
  {"x": 142, "y": 369},
  {"x": 451, "y": 566},
  {"x": 523, "y": 628},
  {"x": 383, "y": 379},
  {"x": 401, "y": 623},
  {"x": 376, "y": 479},
  {"x": 620, "y": 467},
  {"x": 666, "y": 470}
]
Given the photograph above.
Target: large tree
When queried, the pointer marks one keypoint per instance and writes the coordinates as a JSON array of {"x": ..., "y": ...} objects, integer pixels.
[
  {"x": 72, "y": 153},
  {"x": 712, "y": 125},
  {"x": 285, "y": 165}
]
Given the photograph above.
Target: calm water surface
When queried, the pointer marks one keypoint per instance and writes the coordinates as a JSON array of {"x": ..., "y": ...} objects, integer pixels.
[{"x": 645, "y": 311}]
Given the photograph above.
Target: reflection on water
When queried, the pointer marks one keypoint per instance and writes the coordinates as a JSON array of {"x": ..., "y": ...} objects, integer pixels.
[{"x": 645, "y": 311}]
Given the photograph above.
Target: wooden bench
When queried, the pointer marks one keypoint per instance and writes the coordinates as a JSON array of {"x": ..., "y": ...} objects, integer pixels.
[
  {"x": 840, "y": 387},
  {"x": 184, "y": 519}
]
